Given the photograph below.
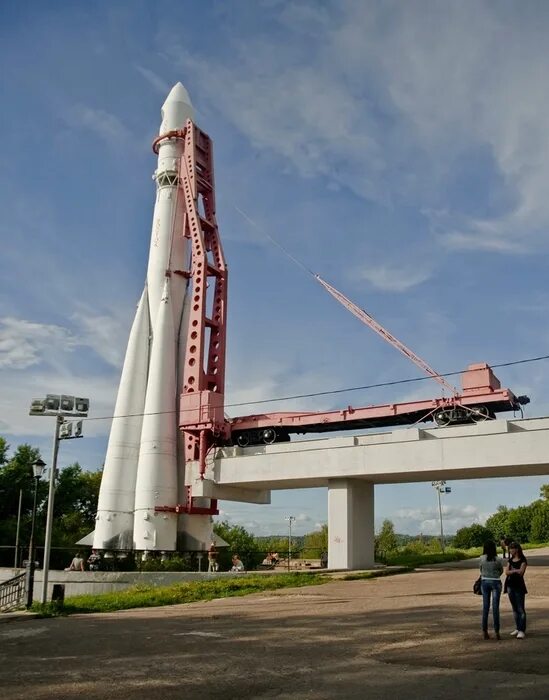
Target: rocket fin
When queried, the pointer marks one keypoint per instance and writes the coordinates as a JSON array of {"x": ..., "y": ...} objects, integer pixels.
[
  {"x": 156, "y": 483},
  {"x": 114, "y": 520}
]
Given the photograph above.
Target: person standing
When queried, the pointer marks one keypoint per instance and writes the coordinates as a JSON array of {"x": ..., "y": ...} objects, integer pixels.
[
  {"x": 212, "y": 558},
  {"x": 491, "y": 569},
  {"x": 516, "y": 588},
  {"x": 504, "y": 543}
]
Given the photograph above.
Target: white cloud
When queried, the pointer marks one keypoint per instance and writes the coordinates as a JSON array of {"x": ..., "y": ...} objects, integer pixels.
[
  {"x": 106, "y": 334},
  {"x": 104, "y": 124},
  {"x": 155, "y": 80},
  {"x": 24, "y": 343},
  {"x": 393, "y": 278},
  {"x": 426, "y": 520},
  {"x": 388, "y": 98}
]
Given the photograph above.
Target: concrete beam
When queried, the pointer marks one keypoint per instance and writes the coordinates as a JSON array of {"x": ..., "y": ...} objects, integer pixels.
[
  {"x": 205, "y": 488},
  {"x": 488, "y": 449}
]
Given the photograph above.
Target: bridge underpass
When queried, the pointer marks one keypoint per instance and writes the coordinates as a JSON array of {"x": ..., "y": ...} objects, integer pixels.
[{"x": 350, "y": 466}]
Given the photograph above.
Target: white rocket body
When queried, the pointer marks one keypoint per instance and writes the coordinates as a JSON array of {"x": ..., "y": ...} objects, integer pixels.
[{"x": 144, "y": 464}]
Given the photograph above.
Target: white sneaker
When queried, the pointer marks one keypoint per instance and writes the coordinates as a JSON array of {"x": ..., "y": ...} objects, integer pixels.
[
  {"x": 520, "y": 635},
  {"x": 514, "y": 633}
]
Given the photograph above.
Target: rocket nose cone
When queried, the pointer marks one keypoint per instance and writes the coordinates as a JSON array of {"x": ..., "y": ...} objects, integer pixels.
[{"x": 176, "y": 109}]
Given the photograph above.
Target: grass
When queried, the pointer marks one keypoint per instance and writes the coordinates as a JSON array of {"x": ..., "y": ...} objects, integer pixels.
[
  {"x": 413, "y": 559},
  {"x": 141, "y": 596},
  {"x": 186, "y": 592}
]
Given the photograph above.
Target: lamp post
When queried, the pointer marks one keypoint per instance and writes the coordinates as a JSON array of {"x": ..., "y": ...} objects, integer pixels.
[
  {"x": 37, "y": 470},
  {"x": 440, "y": 487},
  {"x": 59, "y": 406},
  {"x": 290, "y": 520}
]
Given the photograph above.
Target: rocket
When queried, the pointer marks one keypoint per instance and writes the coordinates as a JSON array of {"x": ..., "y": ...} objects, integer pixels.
[{"x": 144, "y": 464}]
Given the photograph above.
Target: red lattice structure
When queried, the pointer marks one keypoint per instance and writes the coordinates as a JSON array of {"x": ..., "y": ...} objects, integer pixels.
[{"x": 202, "y": 417}]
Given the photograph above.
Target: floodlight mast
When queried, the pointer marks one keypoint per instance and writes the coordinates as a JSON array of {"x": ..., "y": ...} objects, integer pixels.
[{"x": 59, "y": 407}]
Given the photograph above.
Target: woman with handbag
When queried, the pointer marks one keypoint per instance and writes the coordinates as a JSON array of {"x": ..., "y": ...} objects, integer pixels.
[
  {"x": 491, "y": 569},
  {"x": 516, "y": 588}
]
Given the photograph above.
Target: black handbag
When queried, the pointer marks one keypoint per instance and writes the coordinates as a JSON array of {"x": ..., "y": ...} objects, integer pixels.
[{"x": 477, "y": 589}]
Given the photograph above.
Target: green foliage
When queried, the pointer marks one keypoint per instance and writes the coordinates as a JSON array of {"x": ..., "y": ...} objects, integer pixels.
[
  {"x": 386, "y": 541},
  {"x": 75, "y": 502},
  {"x": 544, "y": 492},
  {"x": 175, "y": 562},
  {"x": 473, "y": 536},
  {"x": 240, "y": 542},
  {"x": 315, "y": 543},
  {"x": 539, "y": 531},
  {"x": 187, "y": 592},
  {"x": 412, "y": 559},
  {"x": 519, "y": 522},
  {"x": 497, "y": 523}
]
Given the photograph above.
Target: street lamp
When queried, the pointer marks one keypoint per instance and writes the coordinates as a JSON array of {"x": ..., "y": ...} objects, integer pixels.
[
  {"x": 290, "y": 519},
  {"x": 37, "y": 471},
  {"x": 58, "y": 406},
  {"x": 440, "y": 487}
]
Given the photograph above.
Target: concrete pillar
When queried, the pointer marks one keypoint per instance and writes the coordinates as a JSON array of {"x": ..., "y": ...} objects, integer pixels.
[{"x": 350, "y": 524}]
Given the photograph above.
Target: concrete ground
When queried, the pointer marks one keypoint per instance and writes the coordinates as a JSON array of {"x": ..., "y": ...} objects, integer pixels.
[{"x": 409, "y": 636}]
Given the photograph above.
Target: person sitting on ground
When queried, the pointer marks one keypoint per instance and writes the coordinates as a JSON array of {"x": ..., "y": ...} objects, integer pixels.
[
  {"x": 268, "y": 561},
  {"x": 274, "y": 558},
  {"x": 94, "y": 560},
  {"x": 237, "y": 564},
  {"x": 77, "y": 564}
]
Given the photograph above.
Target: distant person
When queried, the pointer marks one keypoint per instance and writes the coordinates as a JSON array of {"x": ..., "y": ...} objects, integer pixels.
[
  {"x": 237, "y": 564},
  {"x": 324, "y": 560},
  {"x": 516, "y": 588},
  {"x": 212, "y": 559},
  {"x": 275, "y": 558},
  {"x": 77, "y": 564},
  {"x": 504, "y": 543},
  {"x": 94, "y": 560},
  {"x": 491, "y": 569}
]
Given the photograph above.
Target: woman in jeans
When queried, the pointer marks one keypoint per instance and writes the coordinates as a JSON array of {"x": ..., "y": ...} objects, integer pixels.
[
  {"x": 516, "y": 588},
  {"x": 491, "y": 569}
]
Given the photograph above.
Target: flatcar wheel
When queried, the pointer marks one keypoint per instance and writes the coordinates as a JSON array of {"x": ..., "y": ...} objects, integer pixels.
[
  {"x": 268, "y": 436},
  {"x": 443, "y": 418},
  {"x": 243, "y": 439},
  {"x": 479, "y": 414}
]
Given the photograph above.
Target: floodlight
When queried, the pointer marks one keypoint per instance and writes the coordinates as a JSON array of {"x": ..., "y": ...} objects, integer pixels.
[
  {"x": 37, "y": 406},
  {"x": 65, "y": 431},
  {"x": 52, "y": 402},
  {"x": 67, "y": 403},
  {"x": 81, "y": 405}
]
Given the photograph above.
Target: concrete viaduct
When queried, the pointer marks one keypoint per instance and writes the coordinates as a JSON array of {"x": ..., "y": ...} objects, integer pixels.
[{"x": 350, "y": 466}]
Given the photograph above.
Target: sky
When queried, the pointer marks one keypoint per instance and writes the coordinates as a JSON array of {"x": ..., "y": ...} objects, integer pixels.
[{"x": 400, "y": 150}]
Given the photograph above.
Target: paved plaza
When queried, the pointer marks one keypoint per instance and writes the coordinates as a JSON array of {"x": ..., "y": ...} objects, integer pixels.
[{"x": 415, "y": 635}]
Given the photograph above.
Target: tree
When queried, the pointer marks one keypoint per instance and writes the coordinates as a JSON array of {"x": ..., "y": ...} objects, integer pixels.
[
  {"x": 539, "y": 531},
  {"x": 544, "y": 492},
  {"x": 316, "y": 542},
  {"x": 386, "y": 541},
  {"x": 240, "y": 542},
  {"x": 498, "y": 523},
  {"x": 473, "y": 536},
  {"x": 519, "y": 523}
]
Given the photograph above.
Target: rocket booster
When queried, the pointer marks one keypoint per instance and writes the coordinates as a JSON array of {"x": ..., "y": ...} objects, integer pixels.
[{"x": 144, "y": 462}]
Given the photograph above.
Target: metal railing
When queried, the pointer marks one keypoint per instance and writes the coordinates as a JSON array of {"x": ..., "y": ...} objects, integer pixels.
[{"x": 13, "y": 593}]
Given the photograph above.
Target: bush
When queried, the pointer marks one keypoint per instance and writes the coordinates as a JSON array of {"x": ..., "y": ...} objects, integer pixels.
[
  {"x": 539, "y": 530},
  {"x": 473, "y": 536}
]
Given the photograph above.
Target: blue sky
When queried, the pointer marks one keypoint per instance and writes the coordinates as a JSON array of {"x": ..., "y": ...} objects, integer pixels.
[{"x": 398, "y": 149}]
